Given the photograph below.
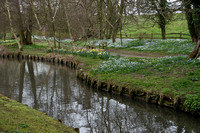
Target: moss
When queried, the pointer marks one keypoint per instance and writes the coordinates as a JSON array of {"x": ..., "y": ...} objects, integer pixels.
[{"x": 16, "y": 117}]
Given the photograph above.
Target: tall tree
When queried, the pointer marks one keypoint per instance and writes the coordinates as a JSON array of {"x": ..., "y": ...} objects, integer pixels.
[
  {"x": 53, "y": 7},
  {"x": 4, "y": 27},
  {"x": 33, "y": 83},
  {"x": 11, "y": 26},
  {"x": 193, "y": 17},
  {"x": 100, "y": 17},
  {"x": 67, "y": 20},
  {"x": 21, "y": 80},
  {"x": 40, "y": 26},
  {"x": 24, "y": 21},
  {"x": 114, "y": 15},
  {"x": 160, "y": 12},
  {"x": 189, "y": 18}
]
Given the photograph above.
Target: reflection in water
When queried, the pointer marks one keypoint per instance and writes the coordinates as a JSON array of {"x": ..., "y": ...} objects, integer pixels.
[{"x": 56, "y": 91}]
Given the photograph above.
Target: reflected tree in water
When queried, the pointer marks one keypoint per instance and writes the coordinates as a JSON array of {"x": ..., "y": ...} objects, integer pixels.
[
  {"x": 33, "y": 84},
  {"x": 21, "y": 80}
]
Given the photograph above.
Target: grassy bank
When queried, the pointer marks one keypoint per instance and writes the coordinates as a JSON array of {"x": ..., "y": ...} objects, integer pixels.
[
  {"x": 16, "y": 117},
  {"x": 174, "y": 77},
  {"x": 142, "y": 25},
  {"x": 171, "y": 76}
]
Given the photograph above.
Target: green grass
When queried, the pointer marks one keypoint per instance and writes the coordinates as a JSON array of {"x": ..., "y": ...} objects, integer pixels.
[
  {"x": 94, "y": 53},
  {"x": 37, "y": 48},
  {"x": 169, "y": 46},
  {"x": 172, "y": 76},
  {"x": 42, "y": 45},
  {"x": 7, "y": 42},
  {"x": 18, "y": 118},
  {"x": 88, "y": 62},
  {"x": 147, "y": 26}
]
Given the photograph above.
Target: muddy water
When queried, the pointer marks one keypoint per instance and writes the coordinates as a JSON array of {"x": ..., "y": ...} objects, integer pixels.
[{"x": 56, "y": 91}]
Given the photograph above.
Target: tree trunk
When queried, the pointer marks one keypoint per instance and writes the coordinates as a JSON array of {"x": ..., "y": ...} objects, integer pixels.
[
  {"x": 138, "y": 6},
  {"x": 21, "y": 80},
  {"x": 4, "y": 36},
  {"x": 40, "y": 27},
  {"x": 100, "y": 11},
  {"x": 196, "y": 51},
  {"x": 11, "y": 26},
  {"x": 28, "y": 38},
  {"x": 190, "y": 22},
  {"x": 114, "y": 37},
  {"x": 54, "y": 35},
  {"x": 30, "y": 26},
  {"x": 121, "y": 36},
  {"x": 59, "y": 39},
  {"x": 68, "y": 23},
  {"x": 163, "y": 30},
  {"x": 20, "y": 25},
  {"x": 29, "y": 29},
  {"x": 161, "y": 15},
  {"x": 52, "y": 23},
  {"x": 22, "y": 37},
  {"x": 109, "y": 33},
  {"x": 33, "y": 83},
  {"x": 196, "y": 14}
]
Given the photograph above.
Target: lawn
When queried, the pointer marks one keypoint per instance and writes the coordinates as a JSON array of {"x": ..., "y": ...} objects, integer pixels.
[
  {"x": 141, "y": 25},
  {"x": 18, "y": 118}
]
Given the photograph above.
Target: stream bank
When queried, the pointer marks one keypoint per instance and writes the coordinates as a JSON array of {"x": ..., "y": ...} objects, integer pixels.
[
  {"x": 95, "y": 83},
  {"x": 16, "y": 117}
]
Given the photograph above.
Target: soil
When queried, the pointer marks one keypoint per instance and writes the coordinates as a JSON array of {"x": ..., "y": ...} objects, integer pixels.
[{"x": 132, "y": 53}]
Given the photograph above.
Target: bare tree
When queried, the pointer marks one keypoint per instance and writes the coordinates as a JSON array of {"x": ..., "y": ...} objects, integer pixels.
[
  {"x": 4, "y": 27},
  {"x": 39, "y": 25},
  {"x": 67, "y": 20},
  {"x": 158, "y": 11},
  {"x": 11, "y": 26},
  {"x": 53, "y": 7}
]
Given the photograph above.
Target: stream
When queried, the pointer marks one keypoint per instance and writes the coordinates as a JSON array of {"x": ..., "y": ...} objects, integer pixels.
[{"x": 55, "y": 90}]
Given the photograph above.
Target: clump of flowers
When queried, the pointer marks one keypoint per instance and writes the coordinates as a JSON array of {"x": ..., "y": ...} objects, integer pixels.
[
  {"x": 170, "y": 46},
  {"x": 96, "y": 53},
  {"x": 121, "y": 65},
  {"x": 6, "y": 41},
  {"x": 126, "y": 65}
]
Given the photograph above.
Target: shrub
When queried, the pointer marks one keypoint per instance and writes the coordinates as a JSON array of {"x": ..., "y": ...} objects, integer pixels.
[{"x": 192, "y": 103}]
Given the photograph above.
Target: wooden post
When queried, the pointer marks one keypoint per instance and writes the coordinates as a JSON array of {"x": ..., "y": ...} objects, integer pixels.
[
  {"x": 121, "y": 36},
  {"x": 180, "y": 35},
  {"x": 151, "y": 36},
  {"x": 59, "y": 39},
  {"x": 4, "y": 36}
]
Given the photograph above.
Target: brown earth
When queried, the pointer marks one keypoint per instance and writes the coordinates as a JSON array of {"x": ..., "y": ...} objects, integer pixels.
[{"x": 139, "y": 54}]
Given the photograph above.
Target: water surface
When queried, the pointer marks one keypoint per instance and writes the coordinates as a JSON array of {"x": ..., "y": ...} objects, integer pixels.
[{"x": 56, "y": 91}]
